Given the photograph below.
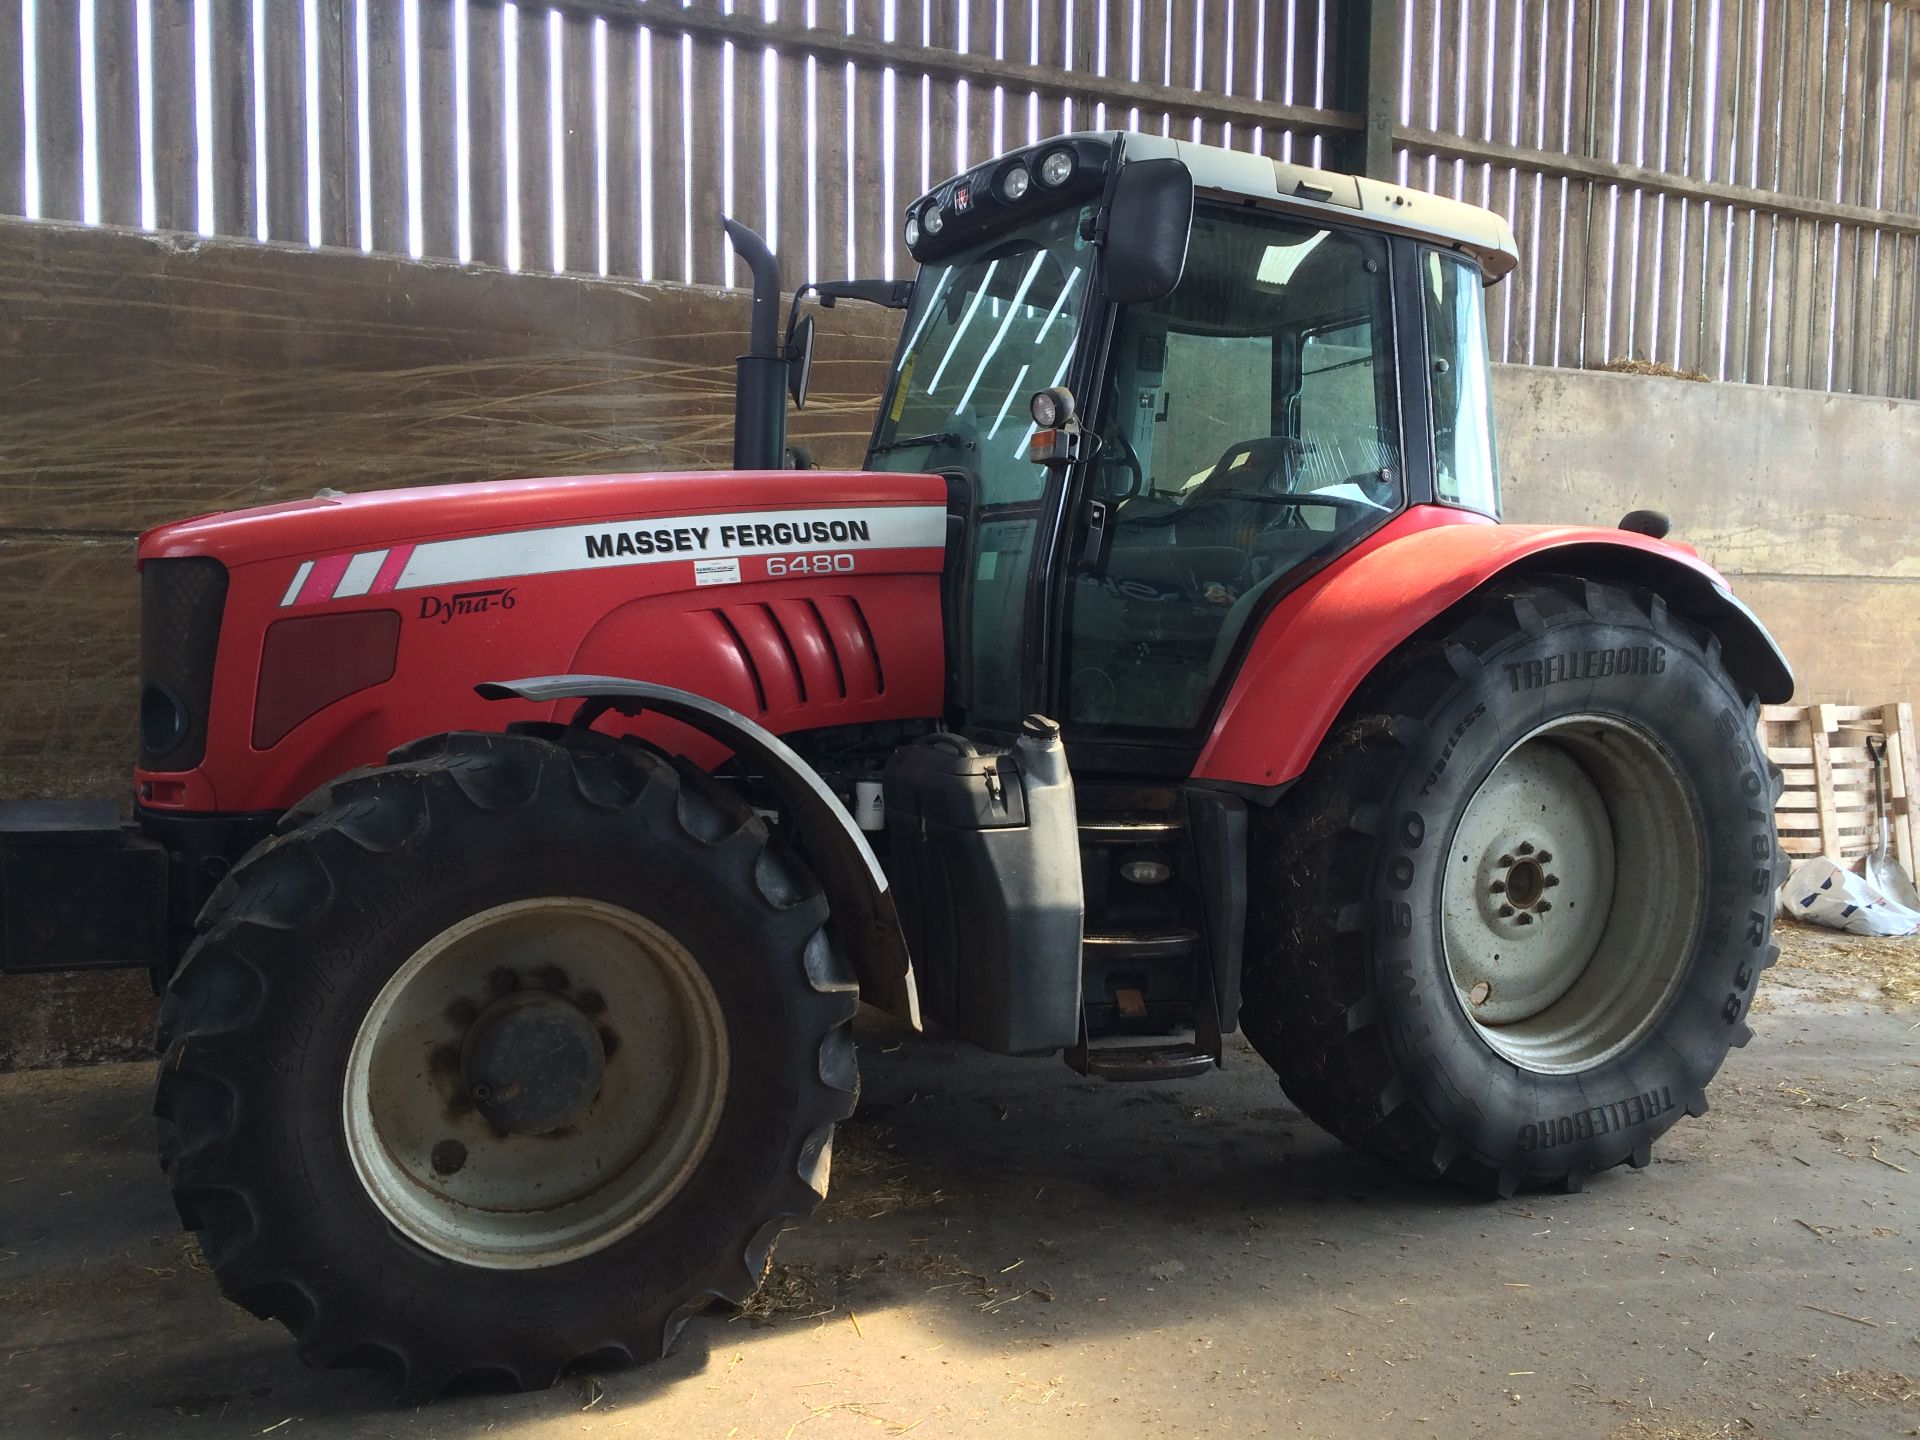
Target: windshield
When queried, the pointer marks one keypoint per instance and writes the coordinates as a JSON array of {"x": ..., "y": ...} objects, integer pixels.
[{"x": 987, "y": 328}]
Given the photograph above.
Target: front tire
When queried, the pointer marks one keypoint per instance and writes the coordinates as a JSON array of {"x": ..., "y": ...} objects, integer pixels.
[
  {"x": 1422, "y": 974},
  {"x": 504, "y": 1057}
]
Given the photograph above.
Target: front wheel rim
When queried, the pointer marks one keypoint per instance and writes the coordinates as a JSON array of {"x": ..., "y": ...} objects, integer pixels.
[
  {"x": 1572, "y": 894},
  {"x": 535, "y": 1082}
]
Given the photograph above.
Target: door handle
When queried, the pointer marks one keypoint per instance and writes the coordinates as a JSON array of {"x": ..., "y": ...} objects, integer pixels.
[{"x": 1094, "y": 536}]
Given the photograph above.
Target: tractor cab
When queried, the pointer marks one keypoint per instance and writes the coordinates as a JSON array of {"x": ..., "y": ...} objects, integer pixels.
[
  {"x": 1166, "y": 384},
  {"x": 1262, "y": 364}
]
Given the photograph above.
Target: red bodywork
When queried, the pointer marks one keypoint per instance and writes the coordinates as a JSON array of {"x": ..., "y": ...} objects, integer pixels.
[
  {"x": 354, "y": 624},
  {"x": 1325, "y": 637},
  {"x": 357, "y": 623}
]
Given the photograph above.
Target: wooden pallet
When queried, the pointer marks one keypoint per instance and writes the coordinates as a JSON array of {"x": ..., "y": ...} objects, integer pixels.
[{"x": 1827, "y": 807}]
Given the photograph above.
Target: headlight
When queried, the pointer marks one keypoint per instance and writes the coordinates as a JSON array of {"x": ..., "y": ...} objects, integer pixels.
[
  {"x": 1015, "y": 182},
  {"x": 1055, "y": 169},
  {"x": 1052, "y": 406},
  {"x": 913, "y": 232},
  {"x": 931, "y": 220}
]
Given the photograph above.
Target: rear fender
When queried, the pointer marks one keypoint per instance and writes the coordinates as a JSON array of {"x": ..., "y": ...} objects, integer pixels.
[
  {"x": 863, "y": 918},
  {"x": 1322, "y": 640}
]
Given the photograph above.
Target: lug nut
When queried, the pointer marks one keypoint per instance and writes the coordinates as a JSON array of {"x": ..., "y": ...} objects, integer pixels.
[
  {"x": 1526, "y": 847},
  {"x": 1544, "y": 857},
  {"x": 1498, "y": 887},
  {"x": 1505, "y": 910},
  {"x": 482, "y": 1093},
  {"x": 1506, "y": 860},
  {"x": 1524, "y": 919},
  {"x": 1543, "y": 907}
]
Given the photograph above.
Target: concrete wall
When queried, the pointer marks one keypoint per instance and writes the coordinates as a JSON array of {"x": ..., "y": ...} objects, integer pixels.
[
  {"x": 1809, "y": 501},
  {"x": 147, "y": 378}
]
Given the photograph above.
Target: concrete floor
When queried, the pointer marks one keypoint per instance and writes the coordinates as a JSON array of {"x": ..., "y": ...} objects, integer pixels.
[{"x": 1013, "y": 1251}]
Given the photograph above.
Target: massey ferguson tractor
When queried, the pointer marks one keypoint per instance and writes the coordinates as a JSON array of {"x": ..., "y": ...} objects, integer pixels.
[{"x": 513, "y": 855}]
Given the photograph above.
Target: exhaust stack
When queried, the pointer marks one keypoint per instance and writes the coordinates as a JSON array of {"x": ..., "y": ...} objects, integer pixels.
[{"x": 760, "y": 375}]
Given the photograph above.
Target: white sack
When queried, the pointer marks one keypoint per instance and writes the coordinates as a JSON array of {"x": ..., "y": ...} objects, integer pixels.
[{"x": 1827, "y": 894}]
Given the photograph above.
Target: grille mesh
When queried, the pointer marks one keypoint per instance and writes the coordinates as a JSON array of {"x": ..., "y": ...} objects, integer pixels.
[{"x": 181, "y": 605}]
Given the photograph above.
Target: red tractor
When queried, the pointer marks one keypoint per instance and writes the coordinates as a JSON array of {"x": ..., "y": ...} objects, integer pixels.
[{"x": 514, "y": 854}]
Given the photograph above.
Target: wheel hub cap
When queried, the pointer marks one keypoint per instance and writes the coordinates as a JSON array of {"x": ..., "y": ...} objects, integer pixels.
[
  {"x": 1572, "y": 893},
  {"x": 535, "y": 1082},
  {"x": 533, "y": 1063},
  {"x": 1530, "y": 884}
]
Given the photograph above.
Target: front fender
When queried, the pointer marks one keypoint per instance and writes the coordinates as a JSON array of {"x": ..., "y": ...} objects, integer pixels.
[
  {"x": 1326, "y": 636},
  {"x": 863, "y": 918}
]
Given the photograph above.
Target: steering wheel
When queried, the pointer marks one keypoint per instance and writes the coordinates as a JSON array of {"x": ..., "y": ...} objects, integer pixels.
[
  {"x": 1203, "y": 520},
  {"x": 1342, "y": 504}
]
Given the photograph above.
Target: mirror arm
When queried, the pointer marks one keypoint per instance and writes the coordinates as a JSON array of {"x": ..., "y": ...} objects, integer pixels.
[
  {"x": 1093, "y": 229},
  {"x": 891, "y": 294}
]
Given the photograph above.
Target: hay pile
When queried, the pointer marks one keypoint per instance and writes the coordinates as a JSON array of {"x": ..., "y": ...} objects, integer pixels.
[
  {"x": 1627, "y": 365},
  {"x": 1843, "y": 966}
]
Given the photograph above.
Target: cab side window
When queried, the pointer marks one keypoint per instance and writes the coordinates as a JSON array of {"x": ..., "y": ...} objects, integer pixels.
[{"x": 1464, "y": 467}]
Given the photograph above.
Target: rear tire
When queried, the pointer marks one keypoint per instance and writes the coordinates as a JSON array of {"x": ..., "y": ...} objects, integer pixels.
[
  {"x": 388, "y": 1191},
  {"x": 1425, "y": 986}
]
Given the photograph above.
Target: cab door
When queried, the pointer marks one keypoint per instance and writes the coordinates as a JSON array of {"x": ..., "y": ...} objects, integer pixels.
[
  {"x": 987, "y": 328},
  {"x": 1249, "y": 429}
]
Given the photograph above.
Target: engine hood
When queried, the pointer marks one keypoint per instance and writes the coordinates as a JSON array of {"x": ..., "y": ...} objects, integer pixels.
[{"x": 349, "y": 625}]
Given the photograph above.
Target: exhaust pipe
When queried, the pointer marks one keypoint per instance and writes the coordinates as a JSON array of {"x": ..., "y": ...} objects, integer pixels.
[{"x": 760, "y": 375}]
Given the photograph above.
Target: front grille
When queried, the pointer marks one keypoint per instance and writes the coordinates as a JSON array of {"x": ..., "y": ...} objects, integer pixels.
[{"x": 181, "y": 605}]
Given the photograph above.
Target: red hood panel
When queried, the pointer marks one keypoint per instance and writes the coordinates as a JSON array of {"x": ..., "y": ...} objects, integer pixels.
[{"x": 803, "y": 599}]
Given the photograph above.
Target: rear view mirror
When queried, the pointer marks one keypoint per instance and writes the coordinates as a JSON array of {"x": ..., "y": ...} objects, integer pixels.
[
  {"x": 800, "y": 362},
  {"x": 1148, "y": 226}
]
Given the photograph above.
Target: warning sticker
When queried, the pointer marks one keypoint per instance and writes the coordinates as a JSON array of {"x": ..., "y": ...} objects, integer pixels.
[{"x": 716, "y": 572}]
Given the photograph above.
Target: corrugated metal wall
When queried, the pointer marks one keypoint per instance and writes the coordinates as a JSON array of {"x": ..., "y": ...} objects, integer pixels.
[
  {"x": 1746, "y": 205},
  {"x": 1728, "y": 186}
]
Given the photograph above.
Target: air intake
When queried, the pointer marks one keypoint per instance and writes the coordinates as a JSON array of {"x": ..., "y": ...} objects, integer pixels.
[{"x": 181, "y": 605}]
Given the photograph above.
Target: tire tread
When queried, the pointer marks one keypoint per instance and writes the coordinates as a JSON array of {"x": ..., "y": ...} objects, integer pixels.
[{"x": 217, "y": 996}]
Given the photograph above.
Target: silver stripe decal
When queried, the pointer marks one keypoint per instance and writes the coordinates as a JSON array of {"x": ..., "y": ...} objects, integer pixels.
[
  {"x": 362, "y": 571},
  {"x": 299, "y": 579},
  {"x": 654, "y": 540}
]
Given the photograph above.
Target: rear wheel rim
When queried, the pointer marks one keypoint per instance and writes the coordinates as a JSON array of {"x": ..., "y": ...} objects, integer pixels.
[
  {"x": 1572, "y": 894},
  {"x": 535, "y": 1082}
]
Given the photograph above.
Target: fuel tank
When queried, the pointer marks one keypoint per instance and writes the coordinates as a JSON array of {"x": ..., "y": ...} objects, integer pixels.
[{"x": 286, "y": 644}]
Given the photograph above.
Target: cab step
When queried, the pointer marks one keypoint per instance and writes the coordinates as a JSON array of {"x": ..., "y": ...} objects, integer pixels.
[
  {"x": 1131, "y": 832},
  {"x": 1141, "y": 944},
  {"x": 1170, "y": 1061}
]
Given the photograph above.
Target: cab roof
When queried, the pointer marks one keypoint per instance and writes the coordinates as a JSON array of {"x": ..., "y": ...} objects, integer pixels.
[
  {"x": 1480, "y": 233},
  {"x": 974, "y": 206}
]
